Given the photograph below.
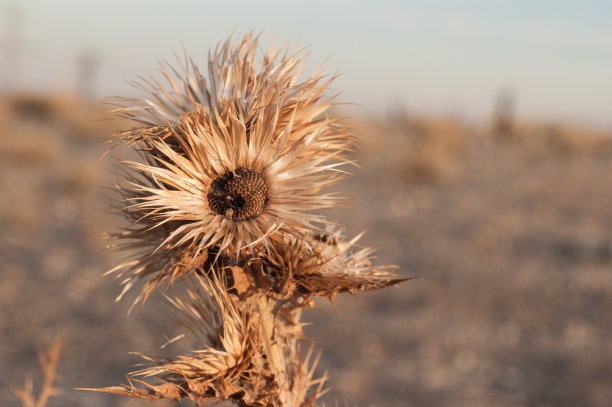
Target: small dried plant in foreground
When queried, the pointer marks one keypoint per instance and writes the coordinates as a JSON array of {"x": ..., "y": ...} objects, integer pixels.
[
  {"x": 234, "y": 167},
  {"x": 48, "y": 363}
]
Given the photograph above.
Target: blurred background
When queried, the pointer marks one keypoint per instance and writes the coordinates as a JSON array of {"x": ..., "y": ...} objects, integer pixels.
[{"x": 486, "y": 171}]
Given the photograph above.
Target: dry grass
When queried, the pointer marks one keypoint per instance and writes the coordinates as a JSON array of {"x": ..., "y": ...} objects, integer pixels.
[
  {"x": 436, "y": 148},
  {"x": 566, "y": 139},
  {"x": 80, "y": 119},
  {"x": 420, "y": 150},
  {"x": 31, "y": 145}
]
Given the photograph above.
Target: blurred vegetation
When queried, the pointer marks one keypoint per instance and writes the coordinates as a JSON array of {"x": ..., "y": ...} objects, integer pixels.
[{"x": 508, "y": 224}]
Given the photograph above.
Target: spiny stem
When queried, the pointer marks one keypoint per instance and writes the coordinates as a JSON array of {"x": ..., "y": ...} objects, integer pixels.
[{"x": 272, "y": 349}]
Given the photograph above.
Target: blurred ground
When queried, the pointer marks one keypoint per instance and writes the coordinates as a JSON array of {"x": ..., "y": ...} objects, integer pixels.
[{"x": 508, "y": 229}]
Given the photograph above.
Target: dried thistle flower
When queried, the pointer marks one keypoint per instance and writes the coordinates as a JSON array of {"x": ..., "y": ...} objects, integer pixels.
[
  {"x": 232, "y": 168},
  {"x": 230, "y": 164}
]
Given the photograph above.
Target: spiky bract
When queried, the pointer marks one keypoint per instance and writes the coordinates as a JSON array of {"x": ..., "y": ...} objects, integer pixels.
[{"x": 325, "y": 264}]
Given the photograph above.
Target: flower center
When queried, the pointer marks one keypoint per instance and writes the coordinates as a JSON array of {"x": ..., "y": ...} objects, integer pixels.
[{"x": 238, "y": 195}]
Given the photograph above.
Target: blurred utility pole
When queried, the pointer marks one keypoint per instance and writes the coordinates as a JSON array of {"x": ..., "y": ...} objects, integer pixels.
[
  {"x": 12, "y": 23},
  {"x": 503, "y": 116},
  {"x": 87, "y": 64}
]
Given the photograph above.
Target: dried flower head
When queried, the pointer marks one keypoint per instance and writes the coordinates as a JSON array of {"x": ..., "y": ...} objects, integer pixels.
[{"x": 230, "y": 163}]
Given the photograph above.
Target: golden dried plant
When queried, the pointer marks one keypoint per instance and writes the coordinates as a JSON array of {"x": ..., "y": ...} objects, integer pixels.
[{"x": 234, "y": 169}]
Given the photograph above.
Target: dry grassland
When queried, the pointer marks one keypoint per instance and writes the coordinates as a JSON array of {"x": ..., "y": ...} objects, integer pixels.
[{"x": 510, "y": 235}]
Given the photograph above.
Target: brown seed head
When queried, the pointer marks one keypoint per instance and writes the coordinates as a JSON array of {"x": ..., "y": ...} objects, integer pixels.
[{"x": 238, "y": 195}]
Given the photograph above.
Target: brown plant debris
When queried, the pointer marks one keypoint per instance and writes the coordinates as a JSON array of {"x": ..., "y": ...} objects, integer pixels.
[{"x": 48, "y": 363}]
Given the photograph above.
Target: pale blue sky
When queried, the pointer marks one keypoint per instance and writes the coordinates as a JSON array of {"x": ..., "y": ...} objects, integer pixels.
[{"x": 432, "y": 56}]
